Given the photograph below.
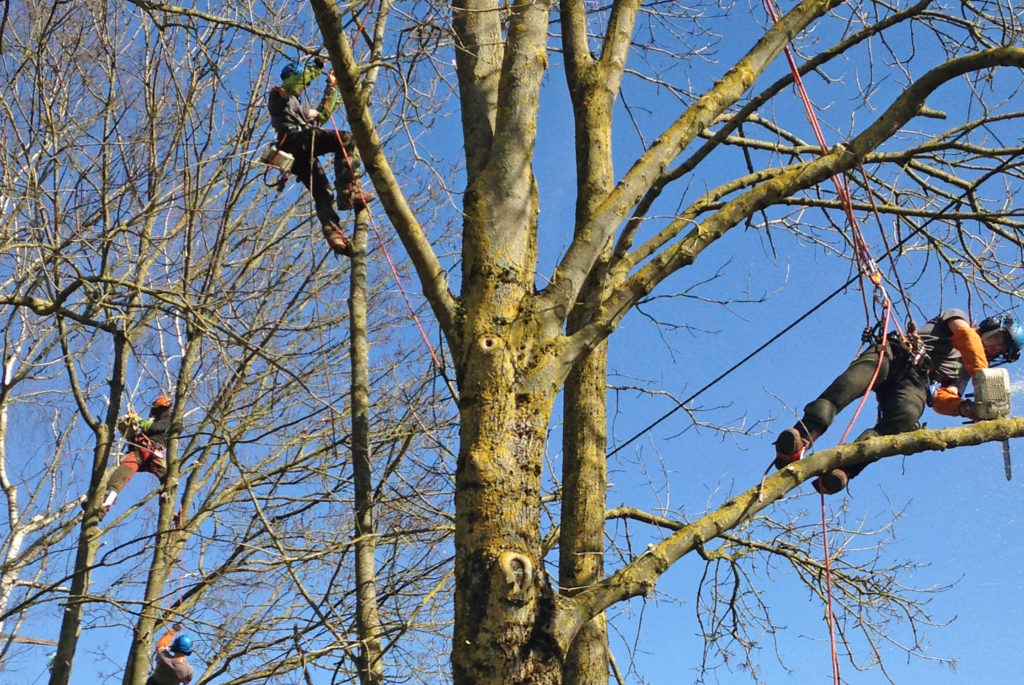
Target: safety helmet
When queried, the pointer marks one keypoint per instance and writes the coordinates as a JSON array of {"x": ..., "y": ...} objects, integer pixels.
[
  {"x": 161, "y": 402},
  {"x": 182, "y": 645},
  {"x": 1014, "y": 339},
  {"x": 292, "y": 69},
  {"x": 1013, "y": 334}
]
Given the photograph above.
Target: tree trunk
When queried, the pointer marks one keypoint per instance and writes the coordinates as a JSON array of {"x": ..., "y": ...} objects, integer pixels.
[
  {"x": 584, "y": 481},
  {"x": 592, "y": 86},
  {"x": 509, "y": 374},
  {"x": 503, "y": 602},
  {"x": 88, "y": 544},
  {"x": 369, "y": 657}
]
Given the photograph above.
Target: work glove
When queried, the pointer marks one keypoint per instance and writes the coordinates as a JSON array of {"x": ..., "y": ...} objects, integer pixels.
[
  {"x": 969, "y": 409},
  {"x": 127, "y": 422}
]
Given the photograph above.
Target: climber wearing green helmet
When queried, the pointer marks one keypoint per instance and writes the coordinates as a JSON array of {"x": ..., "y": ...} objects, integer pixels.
[{"x": 299, "y": 133}]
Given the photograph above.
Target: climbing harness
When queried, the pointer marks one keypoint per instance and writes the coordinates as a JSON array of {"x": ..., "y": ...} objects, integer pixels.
[{"x": 150, "y": 451}]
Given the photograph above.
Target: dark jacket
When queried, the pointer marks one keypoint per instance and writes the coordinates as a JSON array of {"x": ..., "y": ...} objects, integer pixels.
[
  {"x": 947, "y": 367},
  {"x": 287, "y": 113},
  {"x": 171, "y": 669},
  {"x": 157, "y": 432}
]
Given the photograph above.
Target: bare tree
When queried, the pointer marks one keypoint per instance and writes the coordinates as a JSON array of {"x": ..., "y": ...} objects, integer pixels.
[
  {"x": 146, "y": 257},
  {"x": 514, "y": 344},
  {"x": 38, "y": 517}
]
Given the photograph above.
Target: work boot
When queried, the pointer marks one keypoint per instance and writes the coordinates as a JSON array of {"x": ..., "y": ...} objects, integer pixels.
[
  {"x": 336, "y": 239},
  {"x": 108, "y": 501},
  {"x": 353, "y": 198},
  {"x": 832, "y": 482},
  {"x": 790, "y": 446}
]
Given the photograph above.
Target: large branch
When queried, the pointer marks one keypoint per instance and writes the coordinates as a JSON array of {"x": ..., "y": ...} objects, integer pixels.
[
  {"x": 640, "y": 575},
  {"x": 746, "y": 112},
  {"x": 429, "y": 269},
  {"x": 478, "y": 54},
  {"x": 522, "y": 72},
  {"x": 799, "y": 177},
  {"x": 581, "y": 255}
]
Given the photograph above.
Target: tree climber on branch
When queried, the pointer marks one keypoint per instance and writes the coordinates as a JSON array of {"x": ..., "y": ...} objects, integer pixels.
[
  {"x": 147, "y": 452},
  {"x": 953, "y": 351},
  {"x": 299, "y": 133}
]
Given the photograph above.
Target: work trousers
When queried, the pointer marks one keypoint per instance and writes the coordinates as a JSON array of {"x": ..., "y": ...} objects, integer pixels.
[
  {"x": 152, "y": 462},
  {"x": 901, "y": 391},
  {"x": 306, "y": 146}
]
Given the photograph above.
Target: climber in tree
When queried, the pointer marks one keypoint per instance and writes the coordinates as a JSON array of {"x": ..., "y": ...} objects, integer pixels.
[
  {"x": 146, "y": 448},
  {"x": 299, "y": 133},
  {"x": 172, "y": 652},
  {"x": 953, "y": 351}
]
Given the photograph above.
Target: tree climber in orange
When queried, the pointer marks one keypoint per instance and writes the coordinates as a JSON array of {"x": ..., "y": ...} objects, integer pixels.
[
  {"x": 147, "y": 451},
  {"x": 300, "y": 134},
  {"x": 954, "y": 350}
]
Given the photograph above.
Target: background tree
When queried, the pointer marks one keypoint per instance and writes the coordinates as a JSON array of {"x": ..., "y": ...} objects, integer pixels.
[{"x": 145, "y": 256}]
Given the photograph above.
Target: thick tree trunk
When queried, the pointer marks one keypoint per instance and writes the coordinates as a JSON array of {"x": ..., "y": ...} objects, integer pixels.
[
  {"x": 88, "y": 545},
  {"x": 509, "y": 374},
  {"x": 503, "y": 602}
]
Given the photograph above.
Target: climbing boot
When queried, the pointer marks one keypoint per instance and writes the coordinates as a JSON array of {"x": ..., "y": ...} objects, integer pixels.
[
  {"x": 353, "y": 198},
  {"x": 832, "y": 482},
  {"x": 336, "y": 239},
  {"x": 108, "y": 501},
  {"x": 790, "y": 446}
]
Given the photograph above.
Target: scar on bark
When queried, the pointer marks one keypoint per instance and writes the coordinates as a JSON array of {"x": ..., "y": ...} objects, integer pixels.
[{"x": 518, "y": 575}]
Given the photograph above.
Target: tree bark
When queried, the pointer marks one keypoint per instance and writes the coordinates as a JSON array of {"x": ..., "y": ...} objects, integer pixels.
[
  {"x": 370, "y": 656},
  {"x": 89, "y": 535}
]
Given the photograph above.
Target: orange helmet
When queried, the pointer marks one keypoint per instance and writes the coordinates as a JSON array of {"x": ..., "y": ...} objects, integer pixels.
[{"x": 162, "y": 401}]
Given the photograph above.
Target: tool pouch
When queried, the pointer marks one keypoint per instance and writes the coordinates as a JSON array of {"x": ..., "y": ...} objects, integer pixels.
[{"x": 277, "y": 158}]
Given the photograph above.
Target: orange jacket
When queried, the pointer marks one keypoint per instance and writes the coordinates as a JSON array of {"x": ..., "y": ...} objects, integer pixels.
[{"x": 966, "y": 340}]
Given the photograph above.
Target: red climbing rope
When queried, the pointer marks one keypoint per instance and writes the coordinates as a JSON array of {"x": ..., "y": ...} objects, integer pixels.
[
  {"x": 866, "y": 264},
  {"x": 868, "y": 269},
  {"x": 387, "y": 256},
  {"x": 831, "y": 618}
]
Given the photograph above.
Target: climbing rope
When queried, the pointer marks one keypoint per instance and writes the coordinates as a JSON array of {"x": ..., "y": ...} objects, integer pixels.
[
  {"x": 868, "y": 268},
  {"x": 391, "y": 264}
]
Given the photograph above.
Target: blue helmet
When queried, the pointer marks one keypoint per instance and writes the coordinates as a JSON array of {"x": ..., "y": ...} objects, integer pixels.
[
  {"x": 292, "y": 69},
  {"x": 1013, "y": 334},
  {"x": 182, "y": 645},
  {"x": 1014, "y": 339}
]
